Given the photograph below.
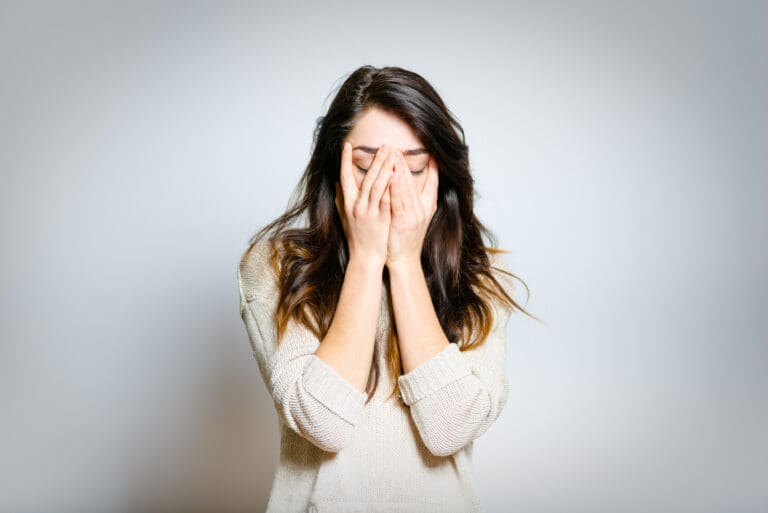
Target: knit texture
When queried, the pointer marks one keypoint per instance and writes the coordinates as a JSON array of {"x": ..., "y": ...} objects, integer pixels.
[{"x": 409, "y": 454}]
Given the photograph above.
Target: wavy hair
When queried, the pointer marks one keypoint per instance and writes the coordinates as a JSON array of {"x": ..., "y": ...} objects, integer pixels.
[{"x": 310, "y": 260}]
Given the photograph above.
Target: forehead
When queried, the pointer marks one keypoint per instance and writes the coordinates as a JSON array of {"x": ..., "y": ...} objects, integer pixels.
[{"x": 376, "y": 127}]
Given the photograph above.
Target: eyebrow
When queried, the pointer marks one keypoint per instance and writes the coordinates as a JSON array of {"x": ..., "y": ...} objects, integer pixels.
[{"x": 372, "y": 151}]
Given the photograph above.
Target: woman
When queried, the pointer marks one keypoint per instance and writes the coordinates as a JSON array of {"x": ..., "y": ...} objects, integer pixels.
[{"x": 379, "y": 327}]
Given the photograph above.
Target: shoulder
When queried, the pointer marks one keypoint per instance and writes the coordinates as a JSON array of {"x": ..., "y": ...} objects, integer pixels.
[{"x": 255, "y": 274}]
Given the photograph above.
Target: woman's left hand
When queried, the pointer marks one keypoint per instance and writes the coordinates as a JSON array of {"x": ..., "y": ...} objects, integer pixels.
[{"x": 412, "y": 211}]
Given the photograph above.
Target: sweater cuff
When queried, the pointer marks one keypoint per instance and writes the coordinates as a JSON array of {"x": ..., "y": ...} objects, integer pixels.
[
  {"x": 333, "y": 390},
  {"x": 441, "y": 369}
]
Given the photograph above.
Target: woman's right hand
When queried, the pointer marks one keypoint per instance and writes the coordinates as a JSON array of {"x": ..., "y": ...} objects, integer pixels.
[{"x": 365, "y": 212}]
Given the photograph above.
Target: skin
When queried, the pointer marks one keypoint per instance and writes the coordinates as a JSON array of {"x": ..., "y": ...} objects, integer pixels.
[{"x": 385, "y": 213}]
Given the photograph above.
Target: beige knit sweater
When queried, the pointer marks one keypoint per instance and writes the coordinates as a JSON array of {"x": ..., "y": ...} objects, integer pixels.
[{"x": 411, "y": 454}]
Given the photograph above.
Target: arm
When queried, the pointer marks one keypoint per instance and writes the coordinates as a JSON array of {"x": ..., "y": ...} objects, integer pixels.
[
  {"x": 313, "y": 392},
  {"x": 348, "y": 345},
  {"x": 454, "y": 396}
]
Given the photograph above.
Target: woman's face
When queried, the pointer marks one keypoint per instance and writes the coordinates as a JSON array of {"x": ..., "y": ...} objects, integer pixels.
[{"x": 377, "y": 127}]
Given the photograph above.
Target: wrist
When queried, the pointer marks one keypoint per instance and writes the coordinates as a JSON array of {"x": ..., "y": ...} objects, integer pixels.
[
  {"x": 367, "y": 262},
  {"x": 405, "y": 267}
]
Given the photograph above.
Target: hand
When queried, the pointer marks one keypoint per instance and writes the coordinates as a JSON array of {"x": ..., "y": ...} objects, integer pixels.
[
  {"x": 412, "y": 211},
  {"x": 365, "y": 213}
]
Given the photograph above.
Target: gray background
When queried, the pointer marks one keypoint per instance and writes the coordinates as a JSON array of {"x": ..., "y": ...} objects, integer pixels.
[{"x": 619, "y": 151}]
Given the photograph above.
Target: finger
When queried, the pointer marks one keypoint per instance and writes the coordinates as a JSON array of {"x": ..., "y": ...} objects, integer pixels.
[
  {"x": 339, "y": 200},
  {"x": 347, "y": 178},
  {"x": 408, "y": 186},
  {"x": 382, "y": 180},
  {"x": 373, "y": 172},
  {"x": 429, "y": 192},
  {"x": 396, "y": 190},
  {"x": 386, "y": 198}
]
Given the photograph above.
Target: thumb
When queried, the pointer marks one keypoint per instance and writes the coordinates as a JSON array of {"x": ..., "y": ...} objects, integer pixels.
[
  {"x": 339, "y": 201},
  {"x": 337, "y": 198}
]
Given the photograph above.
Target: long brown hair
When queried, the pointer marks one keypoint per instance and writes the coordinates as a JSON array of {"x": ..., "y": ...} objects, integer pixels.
[{"x": 310, "y": 260}]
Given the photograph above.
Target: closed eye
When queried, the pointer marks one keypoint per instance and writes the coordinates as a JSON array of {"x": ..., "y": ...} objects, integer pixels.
[{"x": 412, "y": 172}]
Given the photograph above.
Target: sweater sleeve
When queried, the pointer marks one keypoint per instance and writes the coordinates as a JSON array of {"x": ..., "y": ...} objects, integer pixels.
[
  {"x": 455, "y": 396},
  {"x": 310, "y": 397}
]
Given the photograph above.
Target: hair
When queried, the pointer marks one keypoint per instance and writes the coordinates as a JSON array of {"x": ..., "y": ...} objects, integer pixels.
[{"x": 310, "y": 260}]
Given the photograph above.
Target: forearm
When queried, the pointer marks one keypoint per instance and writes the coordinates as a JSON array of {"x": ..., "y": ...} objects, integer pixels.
[
  {"x": 348, "y": 345},
  {"x": 419, "y": 332},
  {"x": 454, "y": 396}
]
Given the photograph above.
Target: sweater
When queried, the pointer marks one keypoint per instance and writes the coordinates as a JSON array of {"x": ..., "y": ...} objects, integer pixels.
[{"x": 410, "y": 454}]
